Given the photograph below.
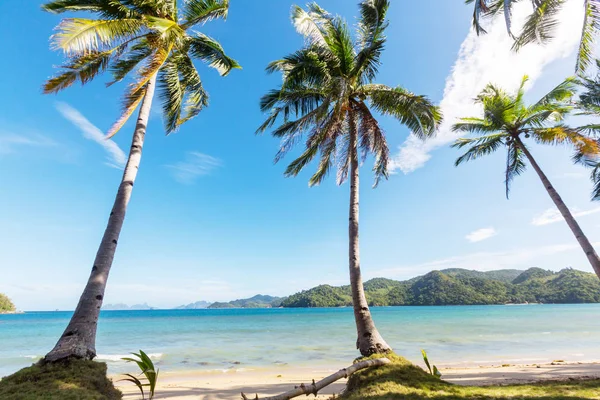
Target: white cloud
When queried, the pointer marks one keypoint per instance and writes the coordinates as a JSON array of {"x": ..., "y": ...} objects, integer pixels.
[
  {"x": 10, "y": 142},
  {"x": 552, "y": 215},
  {"x": 480, "y": 235},
  {"x": 196, "y": 164},
  {"x": 116, "y": 156},
  {"x": 485, "y": 59}
]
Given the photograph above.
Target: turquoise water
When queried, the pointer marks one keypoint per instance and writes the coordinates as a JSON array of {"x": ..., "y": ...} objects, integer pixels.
[{"x": 249, "y": 339}]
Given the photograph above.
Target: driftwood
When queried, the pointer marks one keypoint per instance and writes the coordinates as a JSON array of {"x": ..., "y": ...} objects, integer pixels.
[{"x": 314, "y": 387}]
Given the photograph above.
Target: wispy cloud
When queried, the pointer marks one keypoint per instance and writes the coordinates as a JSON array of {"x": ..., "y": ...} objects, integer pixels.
[
  {"x": 482, "y": 261},
  {"x": 116, "y": 156},
  {"x": 485, "y": 59},
  {"x": 11, "y": 143},
  {"x": 196, "y": 164},
  {"x": 552, "y": 215},
  {"x": 480, "y": 235}
]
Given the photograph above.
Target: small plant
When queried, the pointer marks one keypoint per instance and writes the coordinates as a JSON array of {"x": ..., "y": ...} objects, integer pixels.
[
  {"x": 434, "y": 371},
  {"x": 150, "y": 374}
]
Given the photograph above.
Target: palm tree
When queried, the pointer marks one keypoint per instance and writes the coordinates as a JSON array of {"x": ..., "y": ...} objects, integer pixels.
[
  {"x": 328, "y": 86},
  {"x": 153, "y": 40},
  {"x": 589, "y": 104},
  {"x": 539, "y": 25},
  {"x": 507, "y": 121}
]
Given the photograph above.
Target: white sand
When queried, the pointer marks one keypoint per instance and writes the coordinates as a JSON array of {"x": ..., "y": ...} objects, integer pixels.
[{"x": 228, "y": 386}]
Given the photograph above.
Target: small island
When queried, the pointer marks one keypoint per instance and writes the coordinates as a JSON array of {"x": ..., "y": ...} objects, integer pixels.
[{"x": 6, "y": 305}]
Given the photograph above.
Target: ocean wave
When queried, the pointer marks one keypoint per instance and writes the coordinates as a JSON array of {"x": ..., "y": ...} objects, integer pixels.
[{"x": 119, "y": 357}]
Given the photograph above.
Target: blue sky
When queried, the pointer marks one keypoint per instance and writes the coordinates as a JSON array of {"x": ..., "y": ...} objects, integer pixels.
[{"x": 212, "y": 218}]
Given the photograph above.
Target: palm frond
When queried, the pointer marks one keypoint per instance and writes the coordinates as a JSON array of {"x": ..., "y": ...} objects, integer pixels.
[
  {"x": 416, "y": 112},
  {"x": 130, "y": 102},
  {"x": 108, "y": 9},
  {"x": 479, "y": 147},
  {"x": 475, "y": 125},
  {"x": 211, "y": 51},
  {"x": 310, "y": 24},
  {"x": 560, "y": 94},
  {"x": 124, "y": 65},
  {"x": 540, "y": 25},
  {"x": 202, "y": 11},
  {"x": 561, "y": 134},
  {"x": 589, "y": 32},
  {"x": 515, "y": 165},
  {"x": 81, "y": 36},
  {"x": 83, "y": 68},
  {"x": 372, "y": 140}
]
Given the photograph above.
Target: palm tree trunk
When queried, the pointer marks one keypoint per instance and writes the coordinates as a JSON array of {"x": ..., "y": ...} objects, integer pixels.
[
  {"x": 79, "y": 339},
  {"x": 369, "y": 340},
  {"x": 585, "y": 244}
]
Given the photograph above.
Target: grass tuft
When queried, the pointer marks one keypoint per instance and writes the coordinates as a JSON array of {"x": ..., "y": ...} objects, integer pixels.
[
  {"x": 65, "y": 380},
  {"x": 403, "y": 380}
]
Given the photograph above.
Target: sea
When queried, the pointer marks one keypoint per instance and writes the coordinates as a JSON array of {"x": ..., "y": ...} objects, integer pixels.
[{"x": 223, "y": 341}]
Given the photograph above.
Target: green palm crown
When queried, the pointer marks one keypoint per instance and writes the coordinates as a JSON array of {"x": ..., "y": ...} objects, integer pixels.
[
  {"x": 144, "y": 38},
  {"x": 328, "y": 94}
]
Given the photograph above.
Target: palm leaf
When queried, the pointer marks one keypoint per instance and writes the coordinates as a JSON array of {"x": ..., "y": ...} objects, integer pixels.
[
  {"x": 515, "y": 165},
  {"x": 81, "y": 36},
  {"x": 202, "y": 11},
  {"x": 540, "y": 25},
  {"x": 416, "y": 112},
  {"x": 109, "y": 9},
  {"x": 211, "y": 51},
  {"x": 479, "y": 147},
  {"x": 591, "y": 25}
]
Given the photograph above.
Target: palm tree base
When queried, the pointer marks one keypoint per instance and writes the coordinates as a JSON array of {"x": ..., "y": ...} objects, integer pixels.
[
  {"x": 372, "y": 343},
  {"x": 69, "y": 347}
]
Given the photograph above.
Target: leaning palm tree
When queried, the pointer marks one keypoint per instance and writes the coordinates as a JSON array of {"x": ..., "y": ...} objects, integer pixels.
[
  {"x": 507, "y": 121},
  {"x": 540, "y": 24},
  {"x": 152, "y": 40},
  {"x": 328, "y": 86},
  {"x": 589, "y": 104}
]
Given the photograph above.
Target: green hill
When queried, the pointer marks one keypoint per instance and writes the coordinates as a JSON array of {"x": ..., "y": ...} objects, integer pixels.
[
  {"x": 462, "y": 287},
  {"x": 6, "y": 306},
  {"x": 258, "y": 301}
]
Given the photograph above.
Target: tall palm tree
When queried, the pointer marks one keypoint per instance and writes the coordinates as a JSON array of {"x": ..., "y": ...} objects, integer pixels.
[
  {"x": 539, "y": 25},
  {"x": 328, "y": 86},
  {"x": 152, "y": 40},
  {"x": 507, "y": 121}
]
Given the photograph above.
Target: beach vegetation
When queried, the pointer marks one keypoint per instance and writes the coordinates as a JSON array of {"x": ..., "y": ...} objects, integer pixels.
[
  {"x": 65, "y": 380},
  {"x": 6, "y": 305},
  {"x": 330, "y": 100},
  {"x": 508, "y": 123},
  {"x": 153, "y": 43},
  {"x": 433, "y": 370},
  {"x": 462, "y": 287},
  {"x": 148, "y": 376},
  {"x": 403, "y": 380}
]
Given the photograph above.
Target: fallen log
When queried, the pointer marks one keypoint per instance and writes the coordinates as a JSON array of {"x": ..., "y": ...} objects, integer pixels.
[{"x": 314, "y": 387}]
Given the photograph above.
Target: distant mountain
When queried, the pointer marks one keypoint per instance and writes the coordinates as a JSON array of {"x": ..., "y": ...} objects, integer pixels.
[
  {"x": 121, "y": 306},
  {"x": 195, "y": 306},
  {"x": 462, "y": 287},
  {"x": 258, "y": 301}
]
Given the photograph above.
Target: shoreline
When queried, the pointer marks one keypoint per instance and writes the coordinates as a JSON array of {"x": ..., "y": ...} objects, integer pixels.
[{"x": 203, "y": 385}]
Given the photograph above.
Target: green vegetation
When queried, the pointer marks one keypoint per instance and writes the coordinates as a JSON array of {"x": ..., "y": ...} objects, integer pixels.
[
  {"x": 66, "y": 380},
  {"x": 462, "y": 287},
  {"x": 148, "y": 373},
  {"x": 258, "y": 301},
  {"x": 405, "y": 381},
  {"x": 540, "y": 25},
  {"x": 508, "y": 123},
  {"x": 6, "y": 305}
]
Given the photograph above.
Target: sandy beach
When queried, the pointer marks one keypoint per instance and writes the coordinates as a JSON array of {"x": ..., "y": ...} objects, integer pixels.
[{"x": 229, "y": 385}]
